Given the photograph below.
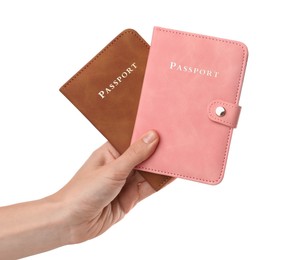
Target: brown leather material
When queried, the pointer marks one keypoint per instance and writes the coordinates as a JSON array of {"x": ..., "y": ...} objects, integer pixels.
[{"x": 107, "y": 91}]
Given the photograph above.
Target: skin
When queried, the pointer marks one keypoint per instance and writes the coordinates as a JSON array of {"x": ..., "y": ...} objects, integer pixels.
[{"x": 99, "y": 195}]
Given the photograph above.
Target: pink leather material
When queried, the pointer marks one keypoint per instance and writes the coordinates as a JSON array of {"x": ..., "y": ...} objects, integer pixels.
[
  {"x": 185, "y": 72},
  {"x": 231, "y": 116}
]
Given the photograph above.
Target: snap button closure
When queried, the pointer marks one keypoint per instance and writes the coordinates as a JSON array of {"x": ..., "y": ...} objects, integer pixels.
[{"x": 220, "y": 111}]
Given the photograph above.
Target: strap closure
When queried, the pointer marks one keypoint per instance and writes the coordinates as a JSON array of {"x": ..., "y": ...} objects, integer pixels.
[{"x": 224, "y": 113}]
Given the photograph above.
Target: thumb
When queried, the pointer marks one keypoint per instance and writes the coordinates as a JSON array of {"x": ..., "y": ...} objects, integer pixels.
[{"x": 137, "y": 152}]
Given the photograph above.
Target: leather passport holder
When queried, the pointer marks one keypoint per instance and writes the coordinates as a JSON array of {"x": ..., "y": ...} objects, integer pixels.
[
  {"x": 107, "y": 91},
  {"x": 190, "y": 96}
]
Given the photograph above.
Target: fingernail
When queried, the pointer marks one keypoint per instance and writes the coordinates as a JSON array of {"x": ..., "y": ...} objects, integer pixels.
[{"x": 150, "y": 137}]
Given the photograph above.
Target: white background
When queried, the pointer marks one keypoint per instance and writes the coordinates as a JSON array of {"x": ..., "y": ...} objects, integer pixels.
[{"x": 44, "y": 139}]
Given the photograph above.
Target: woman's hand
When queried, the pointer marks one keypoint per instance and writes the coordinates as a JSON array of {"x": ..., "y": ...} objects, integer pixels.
[
  {"x": 99, "y": 195},
  {"x": 106, "y": 188}
]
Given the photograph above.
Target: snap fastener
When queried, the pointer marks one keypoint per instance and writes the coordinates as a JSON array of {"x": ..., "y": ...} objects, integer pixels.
[{"x": 220, "y": 111}]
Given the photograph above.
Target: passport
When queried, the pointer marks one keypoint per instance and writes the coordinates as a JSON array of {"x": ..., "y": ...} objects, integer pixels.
[
  {"x": 190, "y": 96},
  {"x": 107, "y": 90}
]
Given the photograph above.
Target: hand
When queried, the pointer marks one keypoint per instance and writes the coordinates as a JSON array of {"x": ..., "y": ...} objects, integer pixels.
[
  {"x": 99, "y": 195},
  {"x": 106, "y": 188}
]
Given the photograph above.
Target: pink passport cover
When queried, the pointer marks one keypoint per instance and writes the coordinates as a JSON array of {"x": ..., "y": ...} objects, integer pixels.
[{"x": 190, "y": 96}]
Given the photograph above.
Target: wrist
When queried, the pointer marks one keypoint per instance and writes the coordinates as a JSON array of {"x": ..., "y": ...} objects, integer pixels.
[{"x": 59, "y": 220}]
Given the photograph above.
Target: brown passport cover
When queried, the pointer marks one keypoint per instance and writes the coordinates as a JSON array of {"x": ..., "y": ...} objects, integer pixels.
[{"x": 107, "y": 91}]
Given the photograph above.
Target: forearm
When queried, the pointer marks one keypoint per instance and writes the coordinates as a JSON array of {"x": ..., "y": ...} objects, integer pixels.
[{"x": 31, "y": 227}]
